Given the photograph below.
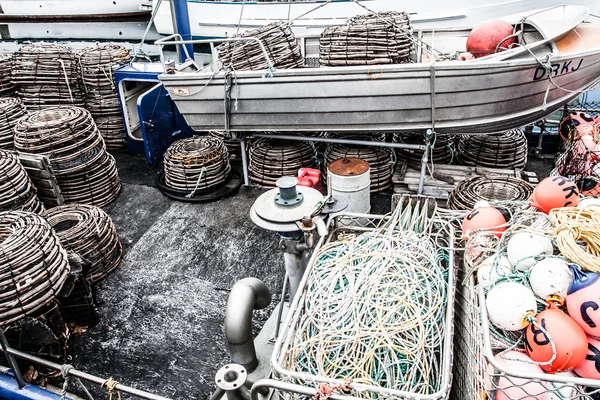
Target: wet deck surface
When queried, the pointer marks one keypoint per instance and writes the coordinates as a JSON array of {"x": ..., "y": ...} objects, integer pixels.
[{"x": 163, "y": 309}]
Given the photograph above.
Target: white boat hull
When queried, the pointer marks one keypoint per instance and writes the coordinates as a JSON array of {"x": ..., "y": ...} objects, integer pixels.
[
  {"x": 121, "y": 31},
  {"x": 55, "y": 8},
  {"x": 215, "y": 19}
]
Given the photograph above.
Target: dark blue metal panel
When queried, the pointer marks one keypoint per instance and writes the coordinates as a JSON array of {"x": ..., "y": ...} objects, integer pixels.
[
  {"x": 9, "y": 390},
  {"x": 182, "y": 20}
]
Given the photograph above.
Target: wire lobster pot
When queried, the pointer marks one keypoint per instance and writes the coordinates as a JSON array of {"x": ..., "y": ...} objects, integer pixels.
[
  {"x": 341, "y": 227},
  {"x": 477, "y": 373}
]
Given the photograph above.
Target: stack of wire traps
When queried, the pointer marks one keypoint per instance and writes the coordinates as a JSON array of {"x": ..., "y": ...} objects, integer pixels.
[
  {"x": 442, "y": 152},
  {"x": 196, "y": 164},
  {"x": 90, "y": 233},
  {"x": 7, "y": 87},
  {"x": 280, "y": 44},
  {"x": 17, "y": 192},
  {"x": 11, "y": 109},
  {"x": 489, "y": 188},
  {"x": 271, "y": 159},
  {"x": 98, "y": 64},
  {"x": 47, "y": 75},
  {"x": 234, "y": 146},
  {"x": 373, "y": 39},
  {"x": 499, "y": 150},
  {"x": 85, "y": 172},
  {"x": 381, "y": 162},
  {"x": 33, "y": 265}
]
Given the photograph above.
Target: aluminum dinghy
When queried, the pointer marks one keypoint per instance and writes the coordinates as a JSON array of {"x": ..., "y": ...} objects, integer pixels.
[{"x": 490, "y": 94}]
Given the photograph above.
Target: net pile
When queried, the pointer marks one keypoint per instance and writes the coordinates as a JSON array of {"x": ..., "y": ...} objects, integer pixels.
[
  {"x": 233, "y": 146},
  {"x": 373, "y": 39},
  {"x": 443, "y": 149},
  {"x": 85, "y": 172},
  {"x": 279, "y": 41},
  {"x": 500, "y": 150},
  {"x": 47, "y": 75},
  {"x": 196, "y": 164},
  {"x": 7, "y": 87},
  {"x": 11, "y": 109},
  {"x": 374, "y": 313},
  {"x": 16, "y": 190},
  {"x": 381, "y": 161},
  {"x": 97, "y": 69},
  {"x": 90, "y": 233},
  {"x": 271, "y": 159},
  {"x": 488, "y": 188},
  {"x": 33, "y": 263}
]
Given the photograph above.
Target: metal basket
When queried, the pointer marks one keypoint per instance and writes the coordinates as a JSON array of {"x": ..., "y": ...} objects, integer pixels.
[
  {"x": 479, "y": 376},
  {"x": 345, "y": 224}
]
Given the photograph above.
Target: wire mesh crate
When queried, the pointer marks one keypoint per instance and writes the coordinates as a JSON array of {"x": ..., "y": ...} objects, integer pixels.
[
  {"x": 477, "y": 373},
  {"x": 343, "y": 226}
]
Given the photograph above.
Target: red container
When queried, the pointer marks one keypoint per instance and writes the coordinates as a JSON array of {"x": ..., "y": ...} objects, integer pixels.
[{"x": 310, "y": 177}]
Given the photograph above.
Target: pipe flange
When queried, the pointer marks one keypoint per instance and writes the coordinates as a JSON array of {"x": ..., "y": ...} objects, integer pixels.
[
  {"x": 231, "y": 377},
  {"x": 288, "y": 202}
]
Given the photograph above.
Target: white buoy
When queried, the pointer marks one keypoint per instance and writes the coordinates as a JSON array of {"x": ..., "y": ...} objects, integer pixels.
[
  {"x": 508, "y": 303},
  {"x": 481, "y": 203},
  {"x": 351, "y": 178},
  {"x": 487, "y": 273},
  {"x": 523, "y": 246},
  {"x": 551, "y": 276}
]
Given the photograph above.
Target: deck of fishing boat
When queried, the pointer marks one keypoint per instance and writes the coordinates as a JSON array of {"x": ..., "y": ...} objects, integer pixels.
[{"x": 163, "y": 309}]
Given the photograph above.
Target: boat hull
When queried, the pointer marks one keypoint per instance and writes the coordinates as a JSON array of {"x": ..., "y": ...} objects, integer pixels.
[
  {"x": 217, "y": 19},
  {"x": 69, "y": 9},
  {"x": 468, "y": 97}
]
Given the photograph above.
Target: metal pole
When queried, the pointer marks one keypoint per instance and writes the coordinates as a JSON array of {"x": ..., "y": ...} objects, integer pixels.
[
  {"x": 424, "y": 161},
  {"x": 179, "y": 9},
  {"x": 292, "y": 388},
  {"x": 174, "y": 22},
  {"x": 244, "y": 160},
  {"x": 11, "y": 360},
  {"x": 342, "y": 141}
]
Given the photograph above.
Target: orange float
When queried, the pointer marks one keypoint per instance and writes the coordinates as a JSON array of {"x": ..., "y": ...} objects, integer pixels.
[
  {"x": 488, "y": 36},
  {"x": 554, "y": 192},
  {"x": 485, "y": 219}
]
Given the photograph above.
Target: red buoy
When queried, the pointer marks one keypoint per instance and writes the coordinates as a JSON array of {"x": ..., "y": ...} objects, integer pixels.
[{"x": 489, "y": 35}]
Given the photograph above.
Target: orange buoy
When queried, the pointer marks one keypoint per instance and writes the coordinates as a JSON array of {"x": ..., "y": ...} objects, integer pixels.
[
  {"x": 484, "y": 218},
  {"x": 554, "y": 192},
  {"x": 569, "y": 339},
  {"x": 489, "y": 35}
]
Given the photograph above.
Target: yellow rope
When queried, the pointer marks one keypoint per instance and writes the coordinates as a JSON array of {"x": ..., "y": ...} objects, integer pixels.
[
  {"x": 110, "y": 385},
  {"x": 578, "y": 235}
]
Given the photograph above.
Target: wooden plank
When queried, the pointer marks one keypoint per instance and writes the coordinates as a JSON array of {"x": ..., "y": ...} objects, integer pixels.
[
  {"x": 37, "y": 173},
  {"x": 36, "y": 161},
  {"x": 51, "y": 202}
]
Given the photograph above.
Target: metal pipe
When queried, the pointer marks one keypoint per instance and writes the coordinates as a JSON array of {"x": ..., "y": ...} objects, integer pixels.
[
  {"x": 244, "y": 160},
  {"x": 294, "y": 255},
  {"x": 85, "y": 376},
  {"x": 182, "y": 26},
  {"x": 342, "y": 141},
  {"x": 174, "y": 23},
  {"x": 424, "y": 162},
  {"x": 11, "y": 360},
  {"x": 281, "y": 305},
  {"x": 290, "y": 387},
  {"x": 246, "y": 295}
]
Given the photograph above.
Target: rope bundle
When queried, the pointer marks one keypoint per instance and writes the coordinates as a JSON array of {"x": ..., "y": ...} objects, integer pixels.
[
  {"x": 470, "y": 191},
  {"x": 47, "y": 75},
  {"x": 374, "y": 313},
  {"x": 85, "y": 172},
  {"x": 11, "y": 109},
  {"x": 372, "y": 39},
  {"x": 16, "y": 190},
  {"x": 89, "y": 232},
  {"x": 233, "y": 146},
  {"x": 7, "y": 87},
  {"x": 97, "y": 69},
  {"x": 33, "y": 265},
  {"x": 197, "y": 163},
  {"x": 272, "y": 159},
  {"x": 581, "y": 225},
  {"x": 500, "y": 150},
  {"x": 442, "y": 152},
  {"x": 280, "y": 44},
  {"x": 381, "y": 161}
]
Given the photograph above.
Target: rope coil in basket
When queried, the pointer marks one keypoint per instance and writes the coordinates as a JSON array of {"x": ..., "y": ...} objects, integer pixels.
[
  {"x": 196, "y": 164},
  {"x": 372, "y": 39},
  {"x": 280, "y": 44},
  {"x": 47, "y": 75},
  {"x": 33, "y": 265},
  {"x": 488, "y": 188},
  {"x": 16, "y": 190},
  {"x": 85, "y": 172},
  {"x": 271, "y": 159},
  {"x": 98, "y": 64},
  {"x": 90, "y": 233},
  {"x": 578, "y": 235},
  {"x": 11, "y": 109},
  {"x": 499, "y": 150}
]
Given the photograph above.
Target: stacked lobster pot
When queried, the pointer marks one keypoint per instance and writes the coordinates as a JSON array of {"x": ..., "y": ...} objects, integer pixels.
[
  {"x": 16, "y": 190},
  {"x": 7, "y": 87},
  {"x": 47, "y": 75},
  {"x": 85, "y": 172},
  {"x": 11, "y": 109},
  {"x": 98, "y": 64}
]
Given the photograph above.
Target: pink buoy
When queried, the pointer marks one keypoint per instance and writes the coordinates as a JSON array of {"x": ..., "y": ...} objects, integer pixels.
[
  {"x": 590, "y": 368},
  {"x": 515, "y": 388},
  {"x": 583, "y": 300}
]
